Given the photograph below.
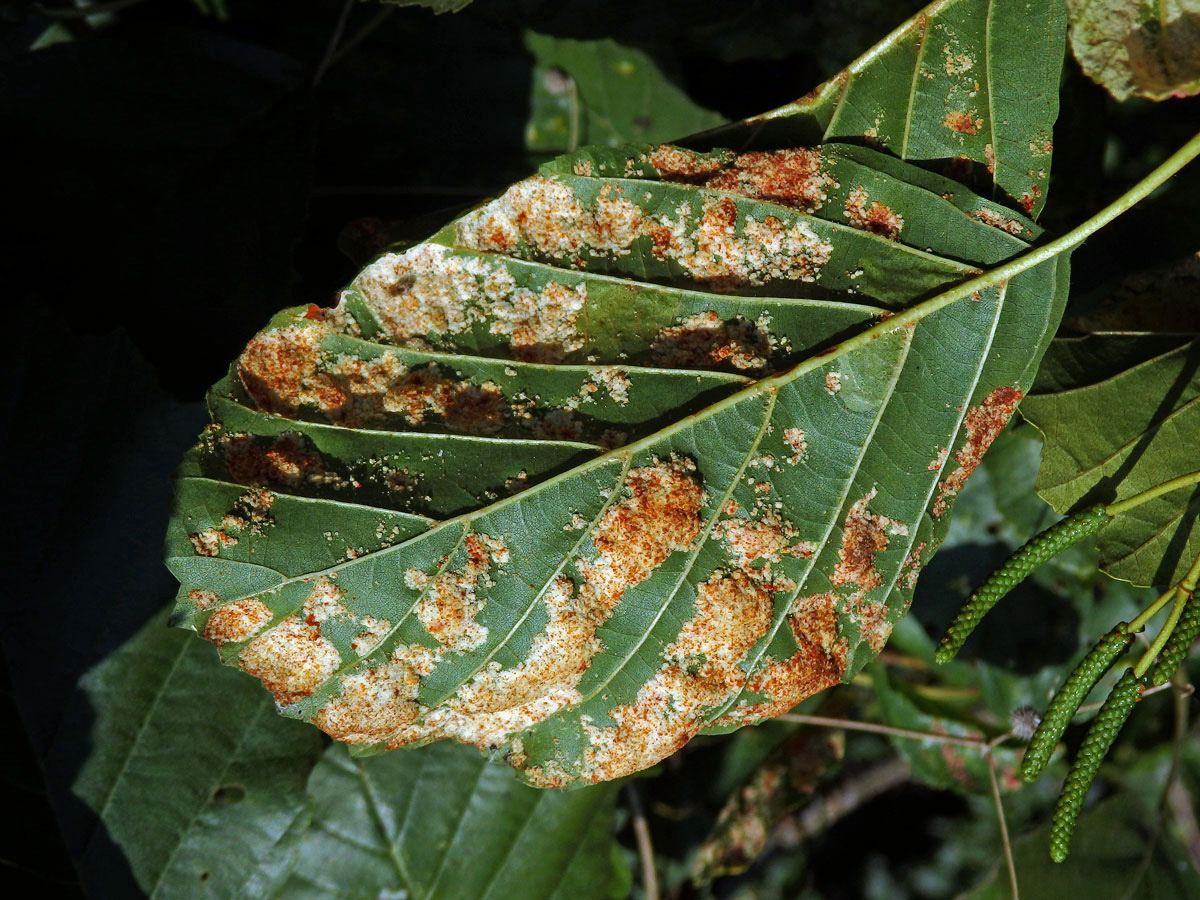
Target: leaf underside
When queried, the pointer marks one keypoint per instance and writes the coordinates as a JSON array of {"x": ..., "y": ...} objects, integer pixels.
[
  {"x": 601, "y": 465},
  {"x": 1102, "y": 445}
]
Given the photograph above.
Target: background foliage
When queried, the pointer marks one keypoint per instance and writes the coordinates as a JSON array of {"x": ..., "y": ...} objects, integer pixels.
[{"x": 180, "y": 177}]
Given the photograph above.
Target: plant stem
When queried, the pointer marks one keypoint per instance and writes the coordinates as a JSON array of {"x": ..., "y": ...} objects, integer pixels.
[
  {"x": 1149, "y": 612},
  {"x": 334, "y": 40},
  {"x": 1004, "y": 838},
  {"x": 852, "y": 725},
  {"x": 1164, "y": 634},
  {"x": 1115, "y": 509},
  {"x": 1191, "y": 578},
  {"x": 641, "y": 832}
]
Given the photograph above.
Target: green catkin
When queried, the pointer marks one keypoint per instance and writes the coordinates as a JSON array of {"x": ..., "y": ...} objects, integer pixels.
[
  {"x": 1065, "y": 703},
  {"x": 1178, "y": 645},
  {"x": 1033, "y": 553},
  {"x": 1108, "y": 722}
]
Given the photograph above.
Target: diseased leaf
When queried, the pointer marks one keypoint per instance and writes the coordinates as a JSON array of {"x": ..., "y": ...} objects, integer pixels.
[
  {"x": 1106, "y": 441},
  {"x": 784, "y": 781},
  {"x": 625, "y": 454},
  {"x": 441, "y": 822},
  {"x": 1147, "y": 48},
  {"x": 712, "y": 569},
  {"x": 601, "y": 92},
  {"x": 188, "y": 761},
  {"x": 963, "y": 81}
]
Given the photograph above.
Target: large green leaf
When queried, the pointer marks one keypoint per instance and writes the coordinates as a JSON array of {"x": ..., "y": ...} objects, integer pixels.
[
  {"x": 1107, "y": 440},
  {"x": 442, "y": 823},
  {"x": 962, "y": 80},
  {"x": 188, "y": 761},
  {"x": 625, "y": 454}
]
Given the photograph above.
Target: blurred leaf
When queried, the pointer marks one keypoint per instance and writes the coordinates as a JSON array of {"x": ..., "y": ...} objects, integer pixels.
[
  {"x": 780, "y": 785},
  {"x": 600, "y": 92},
  {"x": 1119, "y": 437},
  {"x": 962, "y": 80},
  {"x": 442, "y": 822},
  {"x": 188, "y": 762},
  {"x": 938, "y": 763},
  {"x": 1107, "y": 862},
  {"x": 1148, "y": 48}
]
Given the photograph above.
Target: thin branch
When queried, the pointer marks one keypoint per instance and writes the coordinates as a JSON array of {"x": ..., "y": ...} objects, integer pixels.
[
  {"x": 1004, "y": 839},
  {"x": 852, "y": 725},
  {"x": 641, "y": 832},
  {"x": 334, "y": 40}
]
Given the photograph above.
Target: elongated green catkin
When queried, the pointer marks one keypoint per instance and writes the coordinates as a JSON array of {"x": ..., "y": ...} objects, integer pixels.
[
  {"x": 1062, "y": 708},
  {"x": 1108, "y": 722},
  {"x": 1179, "y": 643},
  {"x": 1033, "y": 553}
]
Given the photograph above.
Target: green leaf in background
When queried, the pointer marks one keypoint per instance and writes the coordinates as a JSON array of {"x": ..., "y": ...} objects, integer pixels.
[
  {"x": 600, "y": 92},
  {"x": 612, "y": 459},
  {"x": 937, "y": 763},
  {"x": 962, "y": 80},
  {"x": 188, "y": 762},
  {"x": 1147, "y": 48},
  {"x": 1109, "y": 440},
  {"x": 1108, "y": 861},
  {"x": 442, "y": 823}
]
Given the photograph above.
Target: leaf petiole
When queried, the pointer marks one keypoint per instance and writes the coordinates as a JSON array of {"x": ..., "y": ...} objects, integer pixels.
[
  {"x": 1115, "y": 509},
  {"x": 1164, "y": 634}
]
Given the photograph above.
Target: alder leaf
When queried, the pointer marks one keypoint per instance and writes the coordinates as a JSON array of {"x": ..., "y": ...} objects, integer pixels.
[
  {"x": 175, "y": 789},
  {"x": 1103, "y": 444},
  {"x": 1138, "y": 47},
  {"x": 442, "y": 822},
  {"x": 626, "y": 454},
  {"x": 963, "y": 81}
]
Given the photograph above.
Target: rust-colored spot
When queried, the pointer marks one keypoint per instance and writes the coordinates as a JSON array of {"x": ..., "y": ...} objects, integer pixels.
[
  {"x": 660, "y": 516},
  {"x": 792, "y": 177},
  {"x": 961, "y": 122},
  {"x": 237, "y": 622},
  {"x": 700, "y": 669},
  {"x": 202, "y": 600},
  {"x": 797, "y": 442},
  {"x": 448, "y": 609},
  {"x": 293, "y": 659},
  {"x": 864, "y": 535},
  {"x": 1027, "y": 204},
  {"x": 704, "y": 341},
  {"x": 872, "y": 216},
  {"x": 817, "y": 664},
  {"x": 998, "y": 220},
  {"x": 377, "y": 702},
  {"x": 982, "y": 424},
  {"x": 680, "y": 164},
  {"x": 287, "y": 461}
]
